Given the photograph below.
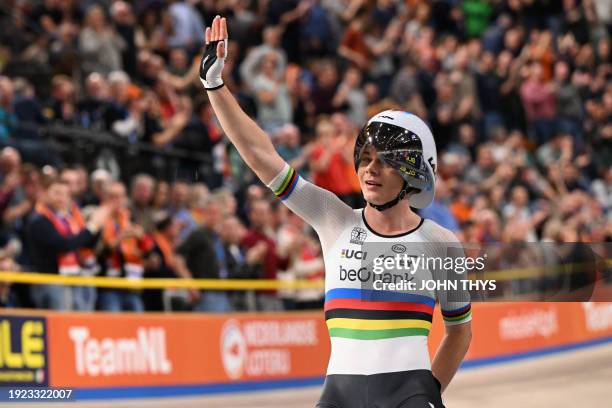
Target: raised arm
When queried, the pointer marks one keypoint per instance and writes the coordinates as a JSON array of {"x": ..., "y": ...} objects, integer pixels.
[
  {"x": 320, "y": 208},
  {"x": 252, "y": 143}
]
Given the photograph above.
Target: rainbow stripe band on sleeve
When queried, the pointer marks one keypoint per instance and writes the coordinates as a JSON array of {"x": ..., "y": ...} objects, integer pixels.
[
  {"x": 288, "y": 184},
  {"x": 457, "y": 315}
]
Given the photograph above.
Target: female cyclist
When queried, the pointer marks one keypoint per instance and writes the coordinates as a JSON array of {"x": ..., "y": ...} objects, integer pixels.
[{"x": 379, "y": 355}]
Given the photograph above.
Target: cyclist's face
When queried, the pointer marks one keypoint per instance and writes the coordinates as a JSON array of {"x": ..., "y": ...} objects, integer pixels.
[{"x": 380, "y": 183}]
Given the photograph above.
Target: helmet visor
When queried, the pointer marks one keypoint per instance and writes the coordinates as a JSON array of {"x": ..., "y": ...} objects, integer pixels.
[{"x": 399, "y": 148}]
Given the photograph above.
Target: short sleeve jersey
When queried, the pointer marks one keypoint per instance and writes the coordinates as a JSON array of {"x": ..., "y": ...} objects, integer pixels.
[{"x": 371, "y": 331}]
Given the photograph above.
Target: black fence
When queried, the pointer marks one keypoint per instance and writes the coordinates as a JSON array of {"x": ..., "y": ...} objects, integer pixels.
[{"x": 59, "y": 146}]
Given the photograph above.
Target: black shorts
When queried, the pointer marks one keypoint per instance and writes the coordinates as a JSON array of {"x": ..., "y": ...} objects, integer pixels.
[{"x": 403, "y": 389}]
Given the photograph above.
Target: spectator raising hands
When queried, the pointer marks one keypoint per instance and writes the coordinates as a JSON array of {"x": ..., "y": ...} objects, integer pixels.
[{"x": 519, "y": 103}]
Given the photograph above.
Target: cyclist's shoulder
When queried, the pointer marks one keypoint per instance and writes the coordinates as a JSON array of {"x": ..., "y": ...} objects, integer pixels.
[
  {"x": 352, "y": 218},
  {"x": 434, "y": 232}
]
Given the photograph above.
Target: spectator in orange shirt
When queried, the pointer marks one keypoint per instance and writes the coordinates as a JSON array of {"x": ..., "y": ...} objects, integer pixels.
[
  {"x": 260, "y": 234},
  {"x": 353, "y": 46},
  {"x": 461, "y": 208},
  {"x": 539, "y": 102},
  {"x": 123, "y": 252},
  {"x": 83, "y": 297},
  {"x": 57, "y": 242},
  {"x": 345, "y": 130},
  {"x": 329, "y": 159},
  {"x": 159, "y": 262}
]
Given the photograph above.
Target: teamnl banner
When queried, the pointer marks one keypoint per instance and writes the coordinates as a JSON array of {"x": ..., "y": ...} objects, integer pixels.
[
  {"x": 457, "y": 273},
  {"x": 121, "y": 350},
  {"x": 110, "y": 350}
]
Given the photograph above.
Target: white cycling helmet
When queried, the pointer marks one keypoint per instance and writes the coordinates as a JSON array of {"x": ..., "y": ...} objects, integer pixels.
[{"x": 405, "y": 142}]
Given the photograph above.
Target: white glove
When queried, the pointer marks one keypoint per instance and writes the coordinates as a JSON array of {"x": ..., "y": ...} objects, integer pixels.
[{"x": 211, "y": 67}]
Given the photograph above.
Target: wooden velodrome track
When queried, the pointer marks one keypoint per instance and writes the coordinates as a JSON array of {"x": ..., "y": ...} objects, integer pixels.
[{"x": 580, "y": 378}]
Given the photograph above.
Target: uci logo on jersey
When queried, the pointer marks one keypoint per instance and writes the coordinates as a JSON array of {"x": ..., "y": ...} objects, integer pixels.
[{"x": 349, "y": 253}]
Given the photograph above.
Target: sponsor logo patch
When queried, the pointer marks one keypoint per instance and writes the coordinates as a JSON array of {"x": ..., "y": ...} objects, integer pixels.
[
  {"x": 398, "y": 248},
  {"x": 358, "y": 236}
]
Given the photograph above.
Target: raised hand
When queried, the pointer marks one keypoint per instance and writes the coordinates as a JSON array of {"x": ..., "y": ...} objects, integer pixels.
[
  {"x": 98, "y": 218},
  {"x": 214, "y": 55}
]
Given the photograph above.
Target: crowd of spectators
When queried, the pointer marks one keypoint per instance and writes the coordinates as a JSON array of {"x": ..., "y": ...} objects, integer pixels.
[{"x": 517, "y": 92}]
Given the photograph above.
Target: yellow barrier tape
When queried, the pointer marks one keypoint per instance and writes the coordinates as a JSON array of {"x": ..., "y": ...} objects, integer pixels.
[
  {"x": 535, "y": 272},
  {"x": 243, "y": 284},
  {"x": 157, "y": 283}
]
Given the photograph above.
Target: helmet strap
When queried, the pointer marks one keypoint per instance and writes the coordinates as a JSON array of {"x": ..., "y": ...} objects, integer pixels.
[{"x": 401, "y": 195}]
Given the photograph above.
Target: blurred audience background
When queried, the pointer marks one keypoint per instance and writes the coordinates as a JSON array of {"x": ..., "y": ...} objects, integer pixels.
[{"x": 114, "y": 164}]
